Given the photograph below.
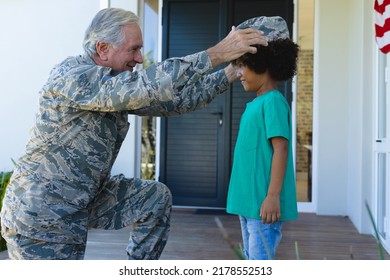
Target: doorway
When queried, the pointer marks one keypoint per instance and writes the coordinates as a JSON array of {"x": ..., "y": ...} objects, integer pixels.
[
  {"x": 304, "y": 101},
  {"x": 197, "y": 148}
]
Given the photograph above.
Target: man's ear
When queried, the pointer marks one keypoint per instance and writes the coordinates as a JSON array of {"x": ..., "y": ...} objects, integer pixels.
[{"x": 102, "y": 49}]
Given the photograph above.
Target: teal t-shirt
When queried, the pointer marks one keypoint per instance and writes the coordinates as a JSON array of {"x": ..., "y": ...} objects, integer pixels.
[{"x": 267, "y": 116}]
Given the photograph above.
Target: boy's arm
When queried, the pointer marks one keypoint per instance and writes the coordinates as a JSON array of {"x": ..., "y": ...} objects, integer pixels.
[{"x": 270, "y": 209}]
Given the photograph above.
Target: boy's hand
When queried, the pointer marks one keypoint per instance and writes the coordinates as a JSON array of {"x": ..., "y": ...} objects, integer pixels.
[{"x": 270, "y": 209}]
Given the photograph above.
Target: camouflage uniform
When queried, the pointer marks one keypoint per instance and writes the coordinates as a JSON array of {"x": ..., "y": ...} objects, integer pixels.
[{"x": 62, "y": 185}]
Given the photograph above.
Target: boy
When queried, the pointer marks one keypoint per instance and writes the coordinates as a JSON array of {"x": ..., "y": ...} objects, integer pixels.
[{"x": 262, "y": 185}]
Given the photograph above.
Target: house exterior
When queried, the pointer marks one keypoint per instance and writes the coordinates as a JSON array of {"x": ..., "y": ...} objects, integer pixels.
[{"x": 351, "y": 108}]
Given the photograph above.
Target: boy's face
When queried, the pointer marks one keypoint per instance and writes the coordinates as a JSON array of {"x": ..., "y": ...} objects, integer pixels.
[{"x": 250, "y": 80}]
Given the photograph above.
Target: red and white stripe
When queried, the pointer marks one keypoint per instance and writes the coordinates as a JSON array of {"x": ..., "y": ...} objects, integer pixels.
[{"x": 382, "y": 24}]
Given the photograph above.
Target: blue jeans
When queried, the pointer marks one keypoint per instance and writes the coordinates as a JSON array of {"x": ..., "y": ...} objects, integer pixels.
[{"x": 260, "y": 241}]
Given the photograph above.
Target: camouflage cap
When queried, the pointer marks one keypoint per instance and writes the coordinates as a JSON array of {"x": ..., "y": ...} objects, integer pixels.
[{"x": 273, "y": 27}]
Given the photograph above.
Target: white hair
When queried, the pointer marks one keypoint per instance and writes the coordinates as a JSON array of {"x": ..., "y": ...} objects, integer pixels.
[{"x": 106, "y": 26}]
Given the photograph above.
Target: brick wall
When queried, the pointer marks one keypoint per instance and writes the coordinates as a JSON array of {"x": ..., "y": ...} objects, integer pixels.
[{"x": 304, "y": 108}]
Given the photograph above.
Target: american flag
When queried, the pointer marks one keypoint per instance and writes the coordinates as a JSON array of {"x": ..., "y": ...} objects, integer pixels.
[{"x": 382, "y": 24}]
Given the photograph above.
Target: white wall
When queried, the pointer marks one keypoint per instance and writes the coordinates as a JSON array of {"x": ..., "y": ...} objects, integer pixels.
[
  {"x": 330, "y": 110},
  {"x": 361, "y": 97},
  {"x": 363, "y": 81},
  {"x": 370, "y": 79},
  {"x": 35, "y": 36},
  {"x": 355, "y": 82},
  {"x": 344, "y": 120}
]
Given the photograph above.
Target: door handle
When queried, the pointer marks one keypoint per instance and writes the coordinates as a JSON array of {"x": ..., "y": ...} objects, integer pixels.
[{"x": 220, "y": 114}]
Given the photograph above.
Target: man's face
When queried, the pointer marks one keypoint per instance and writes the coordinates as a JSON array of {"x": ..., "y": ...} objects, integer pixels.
[{"x": 128, "y": 54}]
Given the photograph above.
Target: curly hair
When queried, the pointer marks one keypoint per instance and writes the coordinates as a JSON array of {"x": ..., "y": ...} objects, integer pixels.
[{"x": 279, "y": 58}]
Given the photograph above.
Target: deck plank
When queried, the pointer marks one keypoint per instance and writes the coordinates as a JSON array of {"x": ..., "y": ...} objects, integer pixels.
[{"x": 195, "y": 236}]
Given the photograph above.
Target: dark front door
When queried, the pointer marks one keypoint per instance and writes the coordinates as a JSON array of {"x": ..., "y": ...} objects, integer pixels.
[{"x": 197, "y": 147}]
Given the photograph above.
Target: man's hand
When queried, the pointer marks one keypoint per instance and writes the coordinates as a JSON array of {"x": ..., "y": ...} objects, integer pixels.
[
  {"x": 235, "y": 44},
  {"x": 231, "y": 73}
]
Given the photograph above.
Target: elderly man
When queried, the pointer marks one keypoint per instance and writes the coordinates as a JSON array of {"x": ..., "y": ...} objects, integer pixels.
[{"x": 62, "y": 185}]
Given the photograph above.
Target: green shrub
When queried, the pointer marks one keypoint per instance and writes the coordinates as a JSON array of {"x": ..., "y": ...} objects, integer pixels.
[{"x": 4, "y": 180}]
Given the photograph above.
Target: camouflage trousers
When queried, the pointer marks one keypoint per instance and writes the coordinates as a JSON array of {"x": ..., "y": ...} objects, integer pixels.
[{"x": 143, "y": 206}]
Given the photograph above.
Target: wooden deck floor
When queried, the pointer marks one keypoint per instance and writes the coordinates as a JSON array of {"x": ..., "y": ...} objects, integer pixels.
[{"x": 196, "y": 236}]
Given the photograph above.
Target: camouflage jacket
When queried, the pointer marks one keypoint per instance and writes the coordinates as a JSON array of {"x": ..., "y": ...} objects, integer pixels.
[{"x": 79, "y": 129}]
